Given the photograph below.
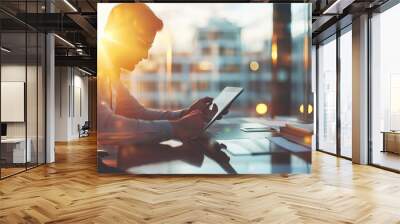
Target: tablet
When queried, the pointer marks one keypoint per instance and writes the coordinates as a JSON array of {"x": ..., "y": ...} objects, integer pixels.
[{"x": 223, "y": 100}]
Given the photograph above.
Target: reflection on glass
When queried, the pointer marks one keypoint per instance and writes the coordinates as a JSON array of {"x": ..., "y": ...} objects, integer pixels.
[
  {"x": 346, "y": 94},
  {"x": 41, "y": 99},
  {"x": 31, "y": 97},
  {"x": 22, "y": 91},
  {"x": 14, "y": 153},
  {"x": 385, "y": 89},
  {"x": 327, "y": 97}
]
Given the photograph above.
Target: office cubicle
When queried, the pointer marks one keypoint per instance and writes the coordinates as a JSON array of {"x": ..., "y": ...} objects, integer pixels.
[{"x": 22, "y": 78}]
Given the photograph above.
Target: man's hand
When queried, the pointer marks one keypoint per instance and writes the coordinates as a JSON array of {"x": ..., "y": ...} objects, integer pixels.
[
  {"x": 189, "y": 126},
  {"x": 202, "y": 104},
  {"x": 206, "y": 107}
]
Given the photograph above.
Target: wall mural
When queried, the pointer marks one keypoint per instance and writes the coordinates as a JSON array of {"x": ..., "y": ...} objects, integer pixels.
[{"x": 204, "y": 88}]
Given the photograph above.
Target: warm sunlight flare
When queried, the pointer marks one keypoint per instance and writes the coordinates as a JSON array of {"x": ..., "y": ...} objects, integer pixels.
[
  {"x": 168, "y": 63},
  {"x": 168, "y": 56},
  {"x": 261, "y": 108},
  {"x": 106, "y": 36},
  {"x": 274, "y": 51}
]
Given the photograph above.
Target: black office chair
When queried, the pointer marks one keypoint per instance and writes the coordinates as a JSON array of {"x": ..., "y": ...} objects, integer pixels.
[{"x": 84, "y": 130}]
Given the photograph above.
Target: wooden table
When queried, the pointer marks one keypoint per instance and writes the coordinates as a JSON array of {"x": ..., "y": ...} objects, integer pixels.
[
  {"x": 391, "y": 141},
  {"x": 204, "y": 156}
]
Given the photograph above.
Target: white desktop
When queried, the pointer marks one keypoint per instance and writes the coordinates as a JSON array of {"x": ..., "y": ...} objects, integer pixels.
[
  {"x": 13, "y": 98},
  {"x": 13, "y": 148},
  {"x": 17, "y": 146}
]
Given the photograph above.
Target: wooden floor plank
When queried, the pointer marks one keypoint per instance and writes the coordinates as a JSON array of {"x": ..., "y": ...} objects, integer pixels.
[{"x": 71, "y": 191}]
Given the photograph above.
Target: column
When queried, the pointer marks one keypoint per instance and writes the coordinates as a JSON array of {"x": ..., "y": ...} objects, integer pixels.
[{"x": 360, "y": 90}]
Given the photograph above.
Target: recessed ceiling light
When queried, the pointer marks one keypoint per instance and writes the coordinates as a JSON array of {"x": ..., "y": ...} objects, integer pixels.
[
  {"x": 5, "y": 50},
  {"x": 337, "y": 7},
  {"x": 70, "y": 5},
  {"x": 64, "y": 40},
  {"x": 84, "y": 71}
]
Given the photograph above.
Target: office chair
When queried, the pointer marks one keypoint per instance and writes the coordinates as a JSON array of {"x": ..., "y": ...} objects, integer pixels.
[{"x": 84, "y": 130}]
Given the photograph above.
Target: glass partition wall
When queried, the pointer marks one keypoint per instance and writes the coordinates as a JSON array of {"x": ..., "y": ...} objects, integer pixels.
[{"x": 22, "y": 88}]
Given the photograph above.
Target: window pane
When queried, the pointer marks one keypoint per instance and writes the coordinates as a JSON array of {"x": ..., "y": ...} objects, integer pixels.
[
  {"x": 327, "y": 97},
  {"x": 346, "y": 94},
  {"x": 41, "y": 99},
  {"x": 14, "y": 153},
  {"x": 385, "y": 89},
  {"x": 31, "y": 96}
]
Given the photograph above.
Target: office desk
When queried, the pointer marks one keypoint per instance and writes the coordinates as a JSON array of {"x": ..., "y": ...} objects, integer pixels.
[
  {"x": 13, "y": 150},
  {"x": 204, "y": 156}
]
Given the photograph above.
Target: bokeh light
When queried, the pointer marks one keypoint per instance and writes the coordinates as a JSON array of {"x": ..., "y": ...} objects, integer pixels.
[
  {"x": 254, "y": 66},
  {"x": 307, "y": 140},
  {"x": 205, "y": 66},
  {"x": 261, "y": 108},
  {"x": 301, "y": 109},
  {"x": 310, "y": 109}
]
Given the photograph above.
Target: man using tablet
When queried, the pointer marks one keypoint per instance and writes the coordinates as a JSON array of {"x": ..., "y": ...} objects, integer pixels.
[{"x": 121, "y": 118}]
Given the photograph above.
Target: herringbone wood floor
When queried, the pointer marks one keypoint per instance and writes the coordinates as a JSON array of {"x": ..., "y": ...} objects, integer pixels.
[{"x": 71, "y": 191}]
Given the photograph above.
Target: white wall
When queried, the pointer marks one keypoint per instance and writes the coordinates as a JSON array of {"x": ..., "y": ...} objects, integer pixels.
[
  {"x": 71, "y": 94},
  {"x": 33, "y": 126},
  {"x": 80, "y": 110},
  {"x": 61, "y": 103},
  {"x": 16, "y": 73}
]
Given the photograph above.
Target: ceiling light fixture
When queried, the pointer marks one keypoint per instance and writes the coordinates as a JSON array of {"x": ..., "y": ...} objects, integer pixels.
[
  {"x": 84, "y": 71},
  {"x": 80, "y": 51},
  {"x": 337, "y": 7},
  {"x": 70, "y": 5},
  {"x": 64, "y": 40},
  {"x": 331, "y": 7},
  {"x": 5, "y": 50}
]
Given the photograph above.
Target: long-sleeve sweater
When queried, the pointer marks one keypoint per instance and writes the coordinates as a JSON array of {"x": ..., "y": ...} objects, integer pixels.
[{"x": 122, "y": 119}]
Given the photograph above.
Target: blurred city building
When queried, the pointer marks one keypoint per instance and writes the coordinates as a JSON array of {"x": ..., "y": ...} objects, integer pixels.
[{"x": 219, "y": 59}]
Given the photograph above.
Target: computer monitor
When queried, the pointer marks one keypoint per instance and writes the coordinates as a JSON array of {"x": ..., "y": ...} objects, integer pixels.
[{"x": 3, "y": 129}]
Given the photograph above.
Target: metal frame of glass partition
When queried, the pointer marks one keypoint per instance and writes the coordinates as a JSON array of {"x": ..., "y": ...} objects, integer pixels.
[
  {"x": 334, "y": 37},
  {"x": 36, "y": 63}
]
